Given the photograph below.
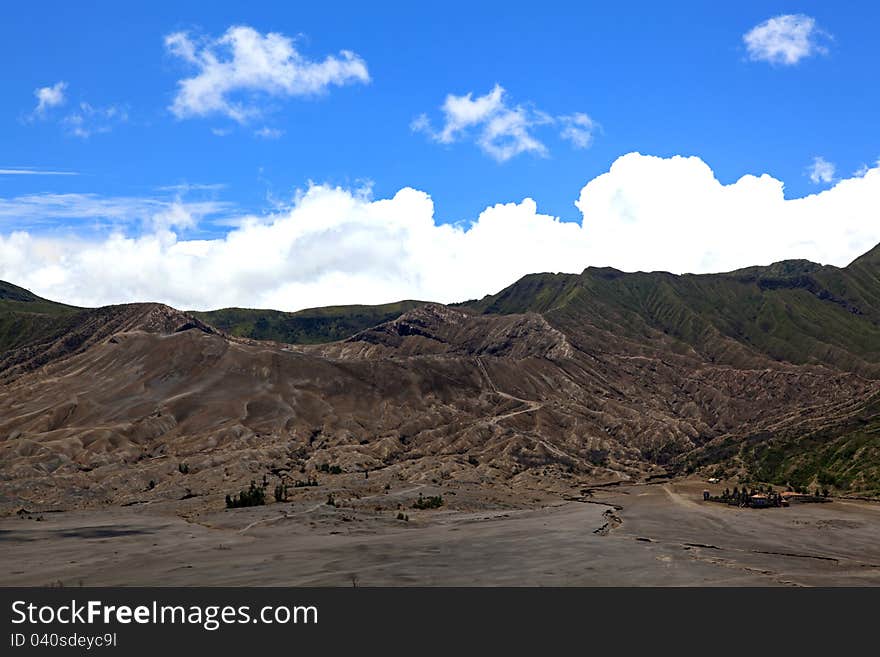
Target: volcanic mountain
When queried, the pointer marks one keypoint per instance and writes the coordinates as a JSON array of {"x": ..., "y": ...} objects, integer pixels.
[{"x": 770, "y": 373}]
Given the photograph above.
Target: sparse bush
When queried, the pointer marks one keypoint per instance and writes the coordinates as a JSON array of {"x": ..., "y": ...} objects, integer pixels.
[
  {"x": 151, "y": 485},
  {"x": 183, "y": 468},
  {"x": 402, "y": 516},
  {"x": 430, "y": 502},
  {"x": 331, "y": 501},
  {"x": 281, "y": 493},
  {"x": 598, "y": 456},
  {"x": 302, "y": 484}
]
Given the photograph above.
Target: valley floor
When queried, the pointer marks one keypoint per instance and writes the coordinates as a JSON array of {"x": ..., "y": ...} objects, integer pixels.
[{"x": 653, "y": 535}]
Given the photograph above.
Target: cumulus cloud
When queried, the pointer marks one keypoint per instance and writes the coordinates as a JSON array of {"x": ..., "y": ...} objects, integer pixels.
[
  {"x": 500, "y": 130},
  {"x": 236, "y": 69},
  {"x": 335, "y": 246},
  {"x": 786, "y": 39},
  {"x": 822, "y": 171},
  {"x": 49, "y": 97}
]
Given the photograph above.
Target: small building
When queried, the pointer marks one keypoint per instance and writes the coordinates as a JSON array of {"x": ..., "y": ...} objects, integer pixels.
[
  {"x": 759, "y": 501},
  {"x": 791, "y": 496}
]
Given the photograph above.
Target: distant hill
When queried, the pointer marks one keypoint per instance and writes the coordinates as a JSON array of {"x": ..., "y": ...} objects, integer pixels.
[
  {"x": 311, "y": 326},
  {"x": 26, "y": 318},
  {"x": 794, "y": 311}
]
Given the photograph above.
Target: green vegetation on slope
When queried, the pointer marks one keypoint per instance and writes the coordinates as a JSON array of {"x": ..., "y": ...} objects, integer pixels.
[
  {"x": 794, "y": 311},
  {"x": 843, "y": 455},
  {"x": 847, "y": 462},
  {"x": 312, "y": 326},
  {"x": 26, "y": 318}
]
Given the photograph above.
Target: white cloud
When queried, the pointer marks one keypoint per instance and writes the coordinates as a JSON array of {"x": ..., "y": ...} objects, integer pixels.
[
  {"x": 864, "y": 168},
  {"x": 116, "y": 211},
  {"x": 462, "y": 112},
  {"x": 785, "y": 40},
  {"x": 335, "y": 246},
  {"x": 83, "y": 121},
  {"x": 234, "y": 70},
  {"x": 49, "y": 97},
  {"x": 822, "y": 171},
  {"x": 185, "y": 187},
  {"x": 500, "y": 130},
  {"x": 269, "y": 133},
  {"x": 88, "y": 120},
  {"x": 35, "y": 172},
  {"x": 578, "y": 129}
]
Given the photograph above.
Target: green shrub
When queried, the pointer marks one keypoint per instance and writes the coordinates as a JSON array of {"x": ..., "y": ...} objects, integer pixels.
[
  {"x": 253, "y": 496},
  {"x": 430, "y": 502}
]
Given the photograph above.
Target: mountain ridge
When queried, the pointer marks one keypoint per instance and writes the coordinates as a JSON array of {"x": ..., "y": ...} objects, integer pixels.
[{"x": 767, "y": 374}]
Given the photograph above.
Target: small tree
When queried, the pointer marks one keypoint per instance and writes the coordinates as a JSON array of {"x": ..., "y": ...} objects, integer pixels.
[{"x": 253, "y": 496}]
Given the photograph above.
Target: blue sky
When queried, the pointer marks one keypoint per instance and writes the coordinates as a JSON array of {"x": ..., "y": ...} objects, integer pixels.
[{"x": 661, "y": 79}]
